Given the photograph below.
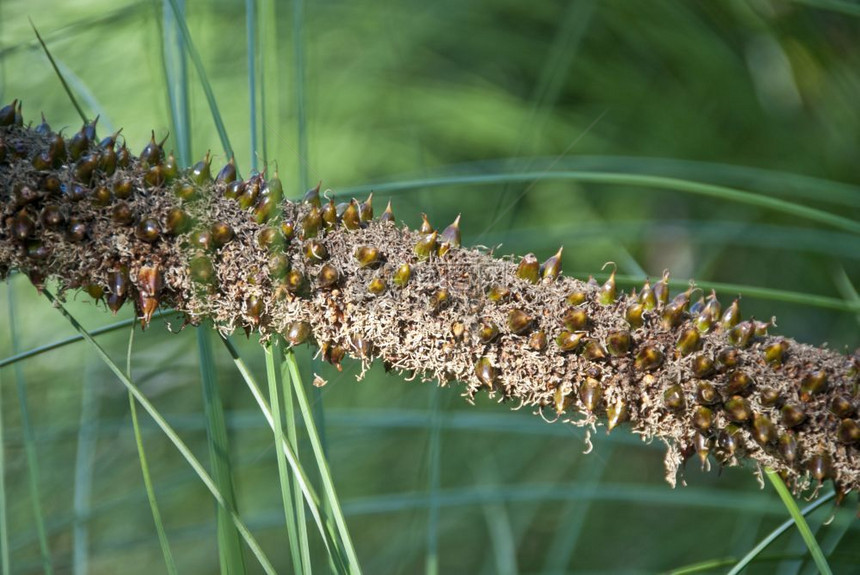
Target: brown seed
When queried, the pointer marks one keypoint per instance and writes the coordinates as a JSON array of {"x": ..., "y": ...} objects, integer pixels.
[
  {"x": 450, "y": 237},
  {"x": 315, "y": 251},
  {"x": 118, "y": 283},
  {"x": 351, "y": 218},
  {"x": 328, "y": 276},
  {"x": 200, "y": 173},
  {"x": 702, "y": 444},
  {"x": 486, "y": 372},
  {"x": 311, "y": 223},
  {"x": 498, "y": 293},
  {"x": 222, "y": 234},
  {"x": 647, "y": 297},
  {"x": 147, "y": 230},
  {"x": 703, "y": 366},
  {"x": 689, "y": 341},
  {"x": 122, "y": 213},
  {"x": 298, "y": 332},
  {"x": 458, "y": 330},
  {"x": 661, "y": 289},
  {"x": 742, "y": 334},
  {"x": 769, "y": 396},
  {"x": 367, "y": 256},
  {"x": 774, "y": 353},
  {"x": 365, "y": 210},
  {"x": 673, "y": 398},
  {"x": 739, "y": 383},
  {"x": 616, "y": 413},
  {"x": 618, "y": 343},
  {"x": 52, "y": 217},
  {"x": 576, "y": 319},
  {"x": 388, "y": 214},
  {"x": 150, "y": 282},
  {"x": 608, "y": 290},
  {"x": 633, "y": 315},
  {"x": 703, "y": 418},
  {"x": 122, "y": 189},
  {"x": 592, "y": 350},
  {"x": 440, "y": 298},
  {"x": 568, "y": 341},
  {"x": 295, "y": 281},
  {"x": 738, "y": 409},
  {"x": 673, "y": 314},
  {"x": 732, "y": 316},
  {"x": 575, "y": 298},
  {"x": 101, "y": 197},
  {"x": 812, "y": 384},
  {"x": 727, "y": 359},
  {"x": 425, "y": 246},
  {"x": 709, "y": 315},
  {"x": 361, "y": 347},
  {"x": 312, "y": 196},
  {"x": 648, "y": 357},
  {"x": 730, "y": 442},
  {"x": 821, "y": 466},
  {"x": 529, "y": 269},
  {"x": 841, "y": 406},
  {"x": 706, "y": 394},
  {"x": 227, "y": 174},
  {"x": 764, "y": 431},
  {"x": 551, "y": 268},
  {"x": 591, "y": 394},
  {"x": 537, "y": 340},
  {"x": 425, "y": 228},
  {"x": 788, "y": 447},
  {"x": 519, "y": 321},
  {"x": 848, "y": 432},
  {"x": 792, "y": 415},
  {"x": 487, "y": 331},
  {"x": 377, "y": 286}
]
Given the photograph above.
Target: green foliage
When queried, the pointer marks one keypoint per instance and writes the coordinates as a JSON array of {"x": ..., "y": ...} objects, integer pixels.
[{"x": 543, "y": 124}]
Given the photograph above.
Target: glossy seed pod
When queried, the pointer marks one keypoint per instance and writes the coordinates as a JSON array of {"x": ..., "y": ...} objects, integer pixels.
[
  {"x": 367, "y": 256},
  {"x": 661, "y": 289},
  {"x": 425, "y": 228},
  {"x": 7, "y": 114},
  {"x": 227, "y": 174},
  {"x": 706, "y": 393},
  {"x": 328, "y": 276},
  {"x": 497, "y": 293},
  {"x": 152, "y": 154},
  {"x": 551, "y": 268},
  {"x": 673, "y": 398},
  {"x": 529, "y": 269},
  {"x": 426, "y": 246},
  {"x": 730, "y": 442},
  {"x": 764, "y": 431},
  {"x": 361, "y": 347},
  {"x": 742, "y": 334},
  {"x": 633, "y": 315},
  {"x": 737, "y": 409},
  {"x": 265, "y": 209},
  {"x": 270, "y": 239},
  {"x": 769, "y": 396},
  {"x": 234, "y": 190},
  {"x": 79, "y": 144},
  {"x": 703, "y": 418},
  {"x": 377, "y": 286},
  {"x": 593, "y": 350},
  {"x": 251, "y": 192},
  {"x": 148, "y": 230},
  {"x": 568, "y": 341},
  {"x": 254, "y": 308},
  {"x": 618, "y": 343},
  {"x": 298, "y": 332},
  {"x": 616, "y": 413},
  {"x": 841, "y": 406},
  {"x": 315, "y": 251},
  {"x": 591, "y": 394},
  {"x": 647, "y": 297},
  {"x": 440, "y": 298},
  {"x": 170, "y": 168},
  {"x": 537, "y": 340},
  {"x": 519, "y": 321},
  {"x": 775, "y": 352},
  {"x": 673, "y": 314},
  {"x": 388, "y": 214},
  {"x": 703, "y": 444},
  {"x": 740, "y": 383},
  {"x": 365, "y": 209},
  {"x": 787, "y": 445},
  {"x": 792, "y": 415},
  {"x": 648, "y": 357},
  {"x": 312, "y": 196},
  {"x": 351, "y": 218},
  {"x": 52, "y": 217},
  {"x": 450, "y": 237},
  {"x": 38, "y": 250},
  {"x": 101, "y": 197},
  {"x": 295, "y": 281},
  {"x": 727, "y": 359},
  {"x": 576, "y": 320},
  {"x": 123, "y": 157},
  {"x": 118, "y": 284},
  {"x": 200, "y": 240},
  {"x": 820, "y": 466},
  {"x": 732, "y": 316},
  {"x": 287, "y": 230},
  {"x": 697, "y": 307},
  {"x": 487, "y": 331},
  {"x": 401, "y": 277},
  {"x": 688, "y": 342},
  {"x": 575, "y": 298},
  {"x": 201, "y": 270},
  {"x": 122, "y": 189},
  {"x": 279, "y": 266},
  {"x": 458, "y": 330},
  {"x": 608, "y": 290},
  {"x": 95, "y": 291},
  {"x": 76, "y": 230},
  {"x": 200, "y": 172},
  {"x": 328, "y": 213},
  {"x": 150, "y": 283},
  {"x": 848, "y": 432},
  {"x": 122, "y": 213},
  {"x": 812, "y": 384},
  {"x": 486, "y": 372},
  {"x": 311, "y": 223},
  {"x": 560, "y": 399},
  {"x": 222, "y": 234}
]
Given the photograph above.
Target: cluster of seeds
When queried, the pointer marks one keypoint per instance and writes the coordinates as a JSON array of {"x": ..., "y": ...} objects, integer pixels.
[{"x": 127, "y": 227}]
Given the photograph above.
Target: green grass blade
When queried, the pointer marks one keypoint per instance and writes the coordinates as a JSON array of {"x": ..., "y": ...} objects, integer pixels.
[
  {"x": 434, "y": 455},
  {"x": 327, "y": 531},
  {"x": 203, "y": 77},
  {"x": 83, "y": 486},
  {"x": 60, "y": 75},
  {"x": 33, "y": 475},
  {"x": 4, "y": 526},
  {"x": 325, "y": 474},
  {"x": 292, "y": 439},
  {"x": 251, "y": 45},
  {"x": 229, "y": 543},
  {"x": 273, "y": 375},
  {"x": 802, "y": 525},
  {"x": 299, "y": 90},
  {"x": 723, "y": 193},
  {"x": 144, "y": 469},
  {"x": 176, "y": 79},
  {"x": 170, "y": 434}
]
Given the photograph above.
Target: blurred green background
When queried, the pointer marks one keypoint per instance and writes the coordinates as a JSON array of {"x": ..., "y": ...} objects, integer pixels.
[{"x": 409, "y": 99}]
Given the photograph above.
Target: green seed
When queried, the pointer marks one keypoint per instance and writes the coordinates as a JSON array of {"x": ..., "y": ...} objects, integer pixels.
[
  {"x": 774, "y": 353},
  {"x": 673, "y": 398},
  {"x": 487, "y": 331},
  {"x": 537, "y": 340},
  {"x": 689, "y": 341},
  {"x": 147, "y": 230},
  {"x": 351, "y": 218},
  {"x": 529, "y": 269},
  {"x": 703, "y": 418},
  {"x": 616, "y": 413},
  {"x": 738, "y": 409},
  {"x": 792, "y": 415},
  {"x": 551, "y": 268},
  {"x": 618, "y": 343},
  {"x": 425, "y": 246},
  {"x": 575, "y": 298},
  {"x": 367, "y": 256},
  {"x": 377, "y": 286},
  {"x": 315, "y": 251},
  {"x": 742, "y": 334},
  {"x": 593, "y": 351},
  {"x": 848, "y": 432},
  {"x": 567, "y": 341},
  {"x": 633, "y": 315},
  {"x": 402, "y": 275},
  {"x": 812, "y": 384},
  {"x": 365, "y": 210},
  {"x": 647, "y": 297},
  {"x": 608, "y": 290},
  {"x": 703, "y": 366},
  {"x": 648, "y": 358},
  {"x": 706, "y": 393},
  {"x": 450, "y": 237},
  {"x": 739, "y": 384},
  {"x": 576, "y": 320},
  {"x": 732, "y": 316},
  {"x": 486, "y": 373},
  {"x": 788, "y": 447},
  {"x": 764, "y": 431}
]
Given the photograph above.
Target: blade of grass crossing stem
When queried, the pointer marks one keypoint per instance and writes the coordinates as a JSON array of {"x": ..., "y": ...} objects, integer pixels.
[
  {"x": 251, "y": 49},
  {"x": 273, "y": 375},
  {"x": 204, "y": 79},
  {"x": 171, "y": 435},
  {"x": 59, "y": 75},
  {"x": 802, "y": 526},
  {"x": 144, "y": 469},
  {"x": 325, "y": 474},
  {"x": 292, "y": 438},
  {"x": 267, "y": 48},
  {"x": 33, "y": 474},
  {"x": 229, "y": 545},
  {"x": 326, "y": 529},
  {"x": 4, "y": 526}
]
